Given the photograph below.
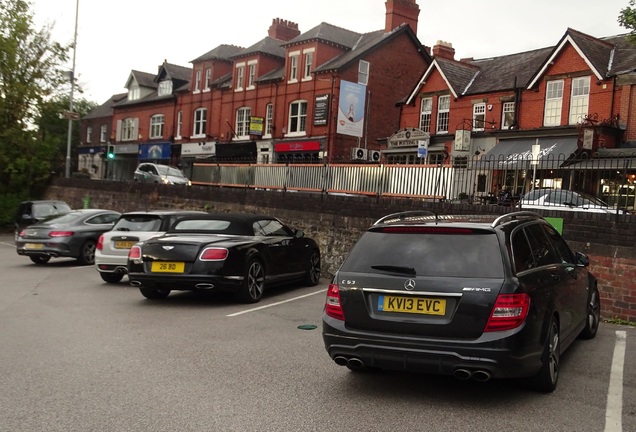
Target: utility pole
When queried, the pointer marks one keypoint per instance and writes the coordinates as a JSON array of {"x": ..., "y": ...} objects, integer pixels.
[{"x": 70, "y": 120}]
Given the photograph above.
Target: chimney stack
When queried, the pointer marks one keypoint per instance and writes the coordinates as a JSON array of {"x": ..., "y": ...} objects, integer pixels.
[
  {"x": 444, "y": 50},
  {"x": 283, "y": 30},
  {"x": 400, "y": 12}
]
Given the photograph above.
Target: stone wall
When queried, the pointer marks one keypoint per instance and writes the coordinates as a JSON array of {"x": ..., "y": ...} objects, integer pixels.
[{"x": 336, "y": 222}]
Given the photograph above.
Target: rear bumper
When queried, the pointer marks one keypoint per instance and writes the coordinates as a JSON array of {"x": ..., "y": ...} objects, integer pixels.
[
  {"x": 185, "y": 282},
  {"x": 111, "y": 263},
  {"x": 50, "y": 249},
  {"x": 499, "y": 357}
]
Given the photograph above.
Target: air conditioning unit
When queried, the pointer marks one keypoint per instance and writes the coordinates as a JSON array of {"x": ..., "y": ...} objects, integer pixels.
[
  {"x": 374, "y": 155},
  {"x": 358, "y": 153}
]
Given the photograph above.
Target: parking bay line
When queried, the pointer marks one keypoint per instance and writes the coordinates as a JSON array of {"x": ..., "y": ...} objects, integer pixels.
[
  {"x": 276, "y": 304},
  {"x": 614, "y": 409}
]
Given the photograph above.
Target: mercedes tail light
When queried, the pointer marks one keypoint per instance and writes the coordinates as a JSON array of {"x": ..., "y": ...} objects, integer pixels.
[
  {"x": 61, "y": 233},
  {"x": 509, "y": 312},
  {"x": 333, "y": 308}
]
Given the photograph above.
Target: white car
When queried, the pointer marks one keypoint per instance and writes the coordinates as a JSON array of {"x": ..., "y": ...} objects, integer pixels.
[
  {"x": 148, "y": 172},
  {"x": 564, "y": 200},
  {"x": 111, "y": 253}
]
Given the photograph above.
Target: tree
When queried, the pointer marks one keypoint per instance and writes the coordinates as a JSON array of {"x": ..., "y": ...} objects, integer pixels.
[
  {"x": 627, "y": 19},
  {"x": 30, "y": 73}
]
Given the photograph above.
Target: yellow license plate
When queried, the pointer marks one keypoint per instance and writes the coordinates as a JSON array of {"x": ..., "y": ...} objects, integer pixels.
[
  {"x": 415, "y": 305},
  {"x": 124, "y": 244},
  {"x": 34, "y": 246},
  {"x": 167, "y": 267}
]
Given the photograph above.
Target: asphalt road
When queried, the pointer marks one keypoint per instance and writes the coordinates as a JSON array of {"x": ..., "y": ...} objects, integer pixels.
[{"x": 77, "y": 354}]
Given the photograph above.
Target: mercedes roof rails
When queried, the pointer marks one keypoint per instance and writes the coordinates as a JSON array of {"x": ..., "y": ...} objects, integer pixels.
[{"x": 516, "y": 215}]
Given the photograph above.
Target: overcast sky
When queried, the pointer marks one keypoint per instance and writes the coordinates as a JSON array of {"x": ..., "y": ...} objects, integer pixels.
[{"x": 118, "y": 36}]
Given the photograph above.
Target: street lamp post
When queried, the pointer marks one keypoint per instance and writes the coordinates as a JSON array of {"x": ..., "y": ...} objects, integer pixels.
[{"x": 70, "y": 120}]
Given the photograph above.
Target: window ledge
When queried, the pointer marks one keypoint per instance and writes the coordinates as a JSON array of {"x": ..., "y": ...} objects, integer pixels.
[{"x": 296, "y": 134}]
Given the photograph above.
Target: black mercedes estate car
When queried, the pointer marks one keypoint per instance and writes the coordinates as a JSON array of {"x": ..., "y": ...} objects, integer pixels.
[{"x": 475, "y": 297}]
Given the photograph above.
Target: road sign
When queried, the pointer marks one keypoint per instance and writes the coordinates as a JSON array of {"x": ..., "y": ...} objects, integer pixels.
[{"x": 70, "y": 115}]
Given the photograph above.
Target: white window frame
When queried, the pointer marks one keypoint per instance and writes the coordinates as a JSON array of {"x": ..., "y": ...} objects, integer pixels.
[
  {"x": 308, "y": 64},
  {"x": 363, "y": 72},
  {"x": 208, "y": 79},
  {"x": 297, "y": 120},
  {"x": 269, "y": 120},
  {"x": 242, "y": 123},
  {"x": 89, "y": 134},
  {"x": 165, "y": 88},
  {"x": 553, "y": 103},
  {"x": 479, "y": 116},
  {"x": 293, "y": 66},
  {"x": 426, "y": 114},
  {"x": 129, "y": 129},
  {"x": 507, "y": 115},
  {"x": 443, "y": 114},
  {"x": 103, "y": 133},
  {"x": 240, "y": 76},
  {"x": 134, "y": 92},
  {"x": 251, "y": 74},
  {"x": 179, "y": 124},
  {"x": 156, "y": 126},
  {"x": 200, "y": 123},
  {"x": 579, "y": 99},
  {"x": 197, "y": 82}
]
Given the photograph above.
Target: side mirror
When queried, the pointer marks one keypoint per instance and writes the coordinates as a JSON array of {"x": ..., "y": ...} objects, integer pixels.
[
  {"x": 27, "y": 217},
  {"x": 582, "y": 259},
  {"x": 299, "y": 233}
]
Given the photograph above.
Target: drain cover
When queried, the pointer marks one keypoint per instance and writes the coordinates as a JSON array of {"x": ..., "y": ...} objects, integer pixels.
[{"x": 307, "y": 326}]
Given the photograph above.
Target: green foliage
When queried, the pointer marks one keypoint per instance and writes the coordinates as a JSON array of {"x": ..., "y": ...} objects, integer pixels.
[
  {"x": 627, "y": 19},
  {"x": 8, "y": 206},
  {"x": 30, "y": 73}
]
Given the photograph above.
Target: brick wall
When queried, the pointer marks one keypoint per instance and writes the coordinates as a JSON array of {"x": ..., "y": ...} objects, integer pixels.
[{"x": 336, "y": 222}]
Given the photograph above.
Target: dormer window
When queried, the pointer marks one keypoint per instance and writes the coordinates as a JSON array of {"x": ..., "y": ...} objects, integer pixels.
[
  {"x": 165, "y": 88},
  {"x": 293, "y": 66},
  {"x": 134, "y": 92},
  {"x": 251, "y": 74},
  {"x": 240, "y": 76}
]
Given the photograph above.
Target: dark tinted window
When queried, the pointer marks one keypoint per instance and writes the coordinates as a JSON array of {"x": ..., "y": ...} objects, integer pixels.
[
  {"x": 105, "y": 218},
  {"x": 270, "y": 227},
  {"x": 541, "y": 246},
  {"x": 521, "y": 252},
  {"x": 445, "y": 255},
  {"x": 42, "y": 210},
  {"x": 559, "y": 244}
]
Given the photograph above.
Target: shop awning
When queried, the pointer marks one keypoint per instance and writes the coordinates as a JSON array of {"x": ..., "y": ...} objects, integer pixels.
[
  {"x": 600, "y": 164},
  {"x": 517, "y": 154}
]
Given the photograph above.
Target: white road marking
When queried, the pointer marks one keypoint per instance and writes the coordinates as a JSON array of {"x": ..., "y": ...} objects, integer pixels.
[
  {"x": 8, "y": 244},
  {"x": 614, "y": 409},
  {"x": 276, "y": 304}
]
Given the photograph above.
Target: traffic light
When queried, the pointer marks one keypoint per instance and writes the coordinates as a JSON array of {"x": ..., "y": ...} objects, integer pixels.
[{"x": 110, "y": 152}]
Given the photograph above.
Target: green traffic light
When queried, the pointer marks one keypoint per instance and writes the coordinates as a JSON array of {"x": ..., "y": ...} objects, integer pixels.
[{"x": 111, "y": 156}]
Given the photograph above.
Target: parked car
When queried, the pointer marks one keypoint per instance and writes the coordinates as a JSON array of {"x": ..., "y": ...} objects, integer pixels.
[
  {"x": 30, "y": 212},
  {"x": 111, "y": 254},
  {"x": 157, "y": 173},
  {"x": 241, "y": 253},
  {"x": 468, "y": 296},
  {"x": 561, "y": 199},
  {"x": 73, "y": 234}
]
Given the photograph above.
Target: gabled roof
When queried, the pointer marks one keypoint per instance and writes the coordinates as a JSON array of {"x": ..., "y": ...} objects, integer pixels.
[
  {"x": 597, "y": 53},
  {"x": 624, "y": 60},
  {"x": 268, "y": 45},
  {"x": 457, "y": 75},
  {"x": 368, "y": 42},
  {"x": 105, "y": 109},
  {"x": 174, "y": 72},
  {"x": 143, "y": 79},
  {"x": 327, "y": 33},
  {"x": 222, "y": 52}
]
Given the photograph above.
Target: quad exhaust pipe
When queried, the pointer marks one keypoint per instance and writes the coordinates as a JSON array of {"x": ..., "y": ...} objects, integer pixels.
[{"x": 466, "y": 374}]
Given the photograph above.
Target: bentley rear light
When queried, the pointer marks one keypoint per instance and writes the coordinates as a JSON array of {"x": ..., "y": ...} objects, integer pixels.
[
  {"x": 213, "y": 254},
  {"x": 509, "y": 312},
  {"x": 332, "y": 305},
  {"x": 100, "y": 243},
  {"x": 134, "y": 253}
]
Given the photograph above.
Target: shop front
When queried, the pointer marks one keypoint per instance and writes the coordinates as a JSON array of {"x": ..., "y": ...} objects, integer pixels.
[
  {"x": 196, "y": 152},
  {"x": 299, "y": 151},
  {"x": 122, "y": 166},
  {"x": 91, "y": 160}
]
